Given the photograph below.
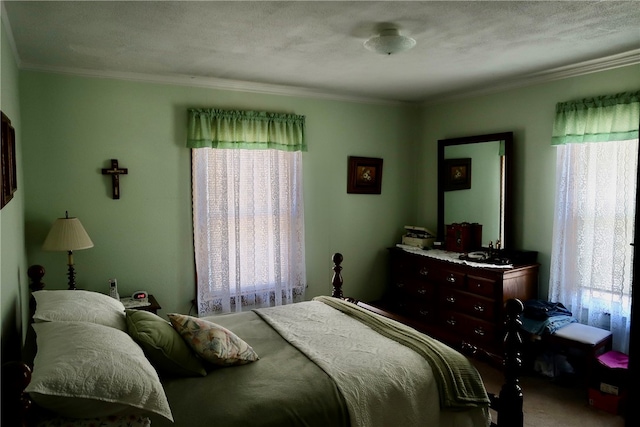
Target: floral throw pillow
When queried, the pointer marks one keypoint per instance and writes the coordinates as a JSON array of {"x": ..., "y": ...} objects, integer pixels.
[{"x": 212, "y": 342}]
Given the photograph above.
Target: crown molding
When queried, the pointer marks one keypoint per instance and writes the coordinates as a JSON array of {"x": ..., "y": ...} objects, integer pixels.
[
  {"x": 213, "y": 83},
  {"x": 9, "y": 34},
  {"x": 624, "y": 59},
  {"x": 631, "y": 57}
]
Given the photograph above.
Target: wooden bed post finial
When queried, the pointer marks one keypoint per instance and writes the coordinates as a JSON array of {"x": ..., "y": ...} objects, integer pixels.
[
  {"x": 337, "y": 277},
  {"x": 36, "y": 273}
]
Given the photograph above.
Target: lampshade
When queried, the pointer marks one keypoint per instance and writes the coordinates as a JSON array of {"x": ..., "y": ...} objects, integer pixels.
[
  {"x": 389, "y": 41},
  {"x": 67, "y": 234}
]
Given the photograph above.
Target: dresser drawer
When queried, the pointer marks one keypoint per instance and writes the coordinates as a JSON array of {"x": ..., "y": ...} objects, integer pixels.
[
  {"x": 451, "y": 278},
  {"x": 450, "y": 299},
  {"x": 423, "y": 312},
  {"x": 467, "y": 328},
  {"x": 451, "y": 321},
  {"x": 401, "y": 264},
  {"x": 480, "y": 332},
  {"x": 482, "y": 285},
  {"x": 472, "y": 305},
  {"x": 425, "y": 269},
  {"x": 481, "y": 308},
  {"x": 416, "y": 266},
  {"x": 412, "y": 287}
]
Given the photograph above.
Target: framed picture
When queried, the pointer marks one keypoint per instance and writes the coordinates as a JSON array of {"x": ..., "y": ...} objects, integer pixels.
[
  {"x": 8, "y": 180},
  {"x": 457, "y": 174},
  {"x": 364, "y": 175}
]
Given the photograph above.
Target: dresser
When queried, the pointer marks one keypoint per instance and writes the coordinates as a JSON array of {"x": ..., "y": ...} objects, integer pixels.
[{"x": 455, "y": 302}]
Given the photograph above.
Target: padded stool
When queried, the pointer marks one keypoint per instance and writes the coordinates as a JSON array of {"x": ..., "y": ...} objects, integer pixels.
[{"x": 588, "y": 339}]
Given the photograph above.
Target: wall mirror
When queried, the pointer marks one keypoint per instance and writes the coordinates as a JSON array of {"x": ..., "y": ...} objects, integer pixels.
[{"x": 474, "y": 185}]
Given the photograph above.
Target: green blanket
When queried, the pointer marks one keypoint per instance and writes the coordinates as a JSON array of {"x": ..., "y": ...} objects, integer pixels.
[
  {"x": 459, "y": 383},
  {"x": 281, "y": 389}
]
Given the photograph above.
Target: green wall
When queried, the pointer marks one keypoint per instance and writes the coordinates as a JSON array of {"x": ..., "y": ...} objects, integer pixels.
[
  {"x": 68, "y": 127},
  {"x": 529, "y": 113},
  {"x": 73, "y": 125},
  {"x": 13, "y": 258}
]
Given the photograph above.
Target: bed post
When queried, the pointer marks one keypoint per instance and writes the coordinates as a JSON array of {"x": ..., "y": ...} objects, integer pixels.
[
  {"x": 337, "y": 277},
  {"x": 16, "y": 404},
  {"x": 510, "y": 400}
]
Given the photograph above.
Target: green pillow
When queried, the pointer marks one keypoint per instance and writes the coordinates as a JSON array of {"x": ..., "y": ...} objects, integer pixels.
[{"x": 163, "y": 345}]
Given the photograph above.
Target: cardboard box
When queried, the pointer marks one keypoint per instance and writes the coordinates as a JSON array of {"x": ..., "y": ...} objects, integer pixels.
[
  {"x": 607, "y": 402},
  {"x": 609, "y": 389},
  {"x": 419, "y": 237},
  {"x": 611, "y": 372}
]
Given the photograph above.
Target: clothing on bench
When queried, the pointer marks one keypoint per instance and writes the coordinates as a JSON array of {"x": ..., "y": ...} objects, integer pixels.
[{"x": 553, "y": 325}]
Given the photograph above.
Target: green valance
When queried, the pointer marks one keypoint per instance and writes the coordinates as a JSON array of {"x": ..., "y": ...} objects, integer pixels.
[
  {"x": 599, "y": 119},
  {"x": 215, "y": 128}
]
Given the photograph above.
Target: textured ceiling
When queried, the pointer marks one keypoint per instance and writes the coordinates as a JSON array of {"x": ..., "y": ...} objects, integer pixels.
[{"x": 316, "y": 48}]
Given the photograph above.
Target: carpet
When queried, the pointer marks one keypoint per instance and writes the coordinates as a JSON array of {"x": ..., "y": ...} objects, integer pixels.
[{"x": 548, "y": 403}]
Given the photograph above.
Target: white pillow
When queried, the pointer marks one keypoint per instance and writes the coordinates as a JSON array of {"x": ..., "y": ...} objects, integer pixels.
[
  {"x": 79, "y": 306},
  {"x": 86, "y": 370}
]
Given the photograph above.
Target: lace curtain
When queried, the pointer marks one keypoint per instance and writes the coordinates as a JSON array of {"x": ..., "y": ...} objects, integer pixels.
[
  {"x": 594, "y": 220},
  {"x": 248, "y": 214}
]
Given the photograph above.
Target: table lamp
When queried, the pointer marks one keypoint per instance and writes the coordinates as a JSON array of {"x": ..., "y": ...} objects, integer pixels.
[{"x": 67, "y": 234}]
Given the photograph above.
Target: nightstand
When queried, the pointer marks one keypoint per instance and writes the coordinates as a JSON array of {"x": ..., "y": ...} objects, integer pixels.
[{"x": 153, "y": 307}]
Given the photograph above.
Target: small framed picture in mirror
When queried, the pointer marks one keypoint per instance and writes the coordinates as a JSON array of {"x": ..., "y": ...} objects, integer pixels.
[{"x": 457, "y": 174}]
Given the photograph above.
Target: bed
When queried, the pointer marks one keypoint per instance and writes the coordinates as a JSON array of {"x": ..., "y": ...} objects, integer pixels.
[{"x": 331, "y": 361}]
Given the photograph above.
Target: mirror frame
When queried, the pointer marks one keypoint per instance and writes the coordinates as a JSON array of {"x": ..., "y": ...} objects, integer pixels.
[{"x": 507, "y": 208}]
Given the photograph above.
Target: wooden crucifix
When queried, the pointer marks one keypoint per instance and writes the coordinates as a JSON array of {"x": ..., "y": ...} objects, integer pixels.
[{"x": 115, "y": 173}]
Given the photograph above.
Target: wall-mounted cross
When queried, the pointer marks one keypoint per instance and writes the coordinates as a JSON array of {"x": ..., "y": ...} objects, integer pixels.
[{"x": 115, "y": 173}]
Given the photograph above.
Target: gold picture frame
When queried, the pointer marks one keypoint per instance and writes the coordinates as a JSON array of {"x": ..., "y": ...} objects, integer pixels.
[{"x": 364, "y": 175}]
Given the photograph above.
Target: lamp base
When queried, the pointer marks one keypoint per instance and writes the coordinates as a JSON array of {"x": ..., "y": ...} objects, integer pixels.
[{"x": 71, "y": 273}]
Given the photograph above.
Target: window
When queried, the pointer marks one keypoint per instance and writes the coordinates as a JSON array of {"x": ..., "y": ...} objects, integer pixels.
[
  {"x": 248, "y": 221},
  {"x": 594, "y": 218}
]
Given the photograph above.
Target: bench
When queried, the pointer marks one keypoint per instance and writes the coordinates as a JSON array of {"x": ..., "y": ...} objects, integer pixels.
[{"x": 589, "y": 340}]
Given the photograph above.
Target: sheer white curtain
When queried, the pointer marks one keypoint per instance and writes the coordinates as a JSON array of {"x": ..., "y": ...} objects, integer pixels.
[
  {"x": 594, "y": 220},
  {"x": 248, "y": 214}
]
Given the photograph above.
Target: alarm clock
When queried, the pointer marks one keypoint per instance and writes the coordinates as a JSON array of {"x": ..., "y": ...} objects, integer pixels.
[{"x": 141, "y": 296}]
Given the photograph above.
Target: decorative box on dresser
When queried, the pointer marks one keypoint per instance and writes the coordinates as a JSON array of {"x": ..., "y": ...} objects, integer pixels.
[{"x": 454, "y": 302}]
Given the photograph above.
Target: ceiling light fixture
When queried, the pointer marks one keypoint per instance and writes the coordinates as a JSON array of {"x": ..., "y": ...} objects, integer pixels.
[{"x": 389, "y": 41}]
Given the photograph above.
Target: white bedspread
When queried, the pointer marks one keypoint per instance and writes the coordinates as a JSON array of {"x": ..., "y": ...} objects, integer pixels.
[{"x": 383, "y": 382}]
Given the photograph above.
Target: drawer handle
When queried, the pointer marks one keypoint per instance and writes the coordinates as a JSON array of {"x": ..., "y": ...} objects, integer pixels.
[
  {"x": 479, "y": 331},
  {"x": 452, "y": 322},
  {"x": 424, "y": 312},
  {"x": 451, "y": 299},
  {"x": 424, "y": 272},
  {"x": 451, "y": 279},
  {"x": 479, "y": 308},
  {"x": 399, "y": 284},
  {"x": 478, "y": 285},
  {"x": 422, "y": 291}
]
